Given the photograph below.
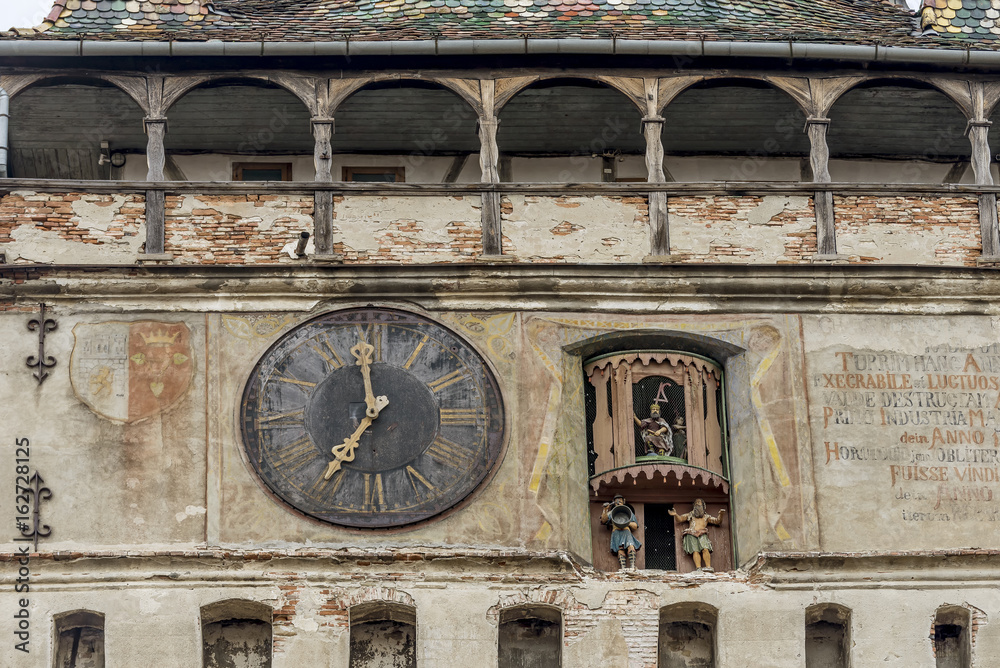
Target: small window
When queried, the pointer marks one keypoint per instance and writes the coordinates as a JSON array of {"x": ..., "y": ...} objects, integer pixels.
[
  {"x": 530, "y": 637},
  {"x": 374, "y": 174},
  {"x": 262, "y": 171},
  {"x": 828, "y": 641},
  {"x": 952, "y": 642},
  {"x": 687, "y": 636},
  {"x": 79, "y": 640},
  {"x": 236, "y": 633},
  {"x": 383, "y": 634}
]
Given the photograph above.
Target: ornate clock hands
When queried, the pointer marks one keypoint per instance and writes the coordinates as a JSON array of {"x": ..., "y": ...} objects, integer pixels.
[
  {"x": 345, "y": 451},
  {"x": 363, "y": 352}
]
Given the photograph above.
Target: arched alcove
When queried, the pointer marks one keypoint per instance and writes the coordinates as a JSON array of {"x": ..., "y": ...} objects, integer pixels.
[
  {"x": 530, "y": 636},
  {"x": 236, "y": 632},
  {"x": 734, "y": 130},
  {"x": 239, "y": 129},
  {"x": 828, "y": 636},
  {"x": 687, "y": 636},
  {"x": 57, "y": 127},
  {"x": 383, "y": 633},
  {"x": 898, "y": 131},
  {"x": 79, "y": 639},
  {"x": 952, "y": 637},
  {"x": 413, "y": 131},
  {"x": 571, "y": 130}
]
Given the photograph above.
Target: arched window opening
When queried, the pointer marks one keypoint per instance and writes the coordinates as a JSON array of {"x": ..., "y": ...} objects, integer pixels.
[
  {"x": 236, "y": 633},
  {"x": 409, "y": 131},
  {"x": 238, "y": 130},
  {"x": 69, "y": 128},
  {"x": 828, "y": 636},
  {"x": 383, "y": 635},
  {"x": 79, "y": 640},
  {"x": 687, "y": 636},
  {"x": 898, "y": 132},
  {"x": 953, "y": 637},
  {"x": 571, "y": 130},
  {"x": 734, "y": 130},
  {"x": 530, "y": 637},
  {"x": 659, "y": 463}
]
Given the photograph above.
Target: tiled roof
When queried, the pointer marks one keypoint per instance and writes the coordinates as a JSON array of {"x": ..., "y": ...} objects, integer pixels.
[
  {"x": 962, "y": 19},
  {"x": 824, "y": 21}
]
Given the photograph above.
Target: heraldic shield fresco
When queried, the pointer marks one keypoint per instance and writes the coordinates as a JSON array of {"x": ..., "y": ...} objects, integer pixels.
[{"x": 129, "y": 371}]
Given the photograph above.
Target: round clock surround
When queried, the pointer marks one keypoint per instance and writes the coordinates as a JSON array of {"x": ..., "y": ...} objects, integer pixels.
[{"x": 372, "y": 418}]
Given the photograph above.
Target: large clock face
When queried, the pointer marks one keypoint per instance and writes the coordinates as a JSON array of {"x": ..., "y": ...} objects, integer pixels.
[{"x": 372, "y": 418}]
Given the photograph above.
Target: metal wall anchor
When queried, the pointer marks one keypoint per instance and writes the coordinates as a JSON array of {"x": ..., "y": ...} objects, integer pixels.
[{"x": 41, "y": 362}]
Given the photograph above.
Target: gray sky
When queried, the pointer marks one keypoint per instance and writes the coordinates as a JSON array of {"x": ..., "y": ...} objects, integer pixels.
[{"x": 23, "y": 13}]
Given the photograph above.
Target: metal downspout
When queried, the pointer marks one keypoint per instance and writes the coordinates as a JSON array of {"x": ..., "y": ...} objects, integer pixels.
[{"x": 4, "y": 130}]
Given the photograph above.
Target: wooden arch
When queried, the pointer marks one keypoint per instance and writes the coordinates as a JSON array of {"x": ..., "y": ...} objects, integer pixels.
[
  {"x": 339, "y": 90},
  {"x": 17, "y": 84},
  {"x": 304, "y": 89},
  {"x": 797, "y": 89},
  {"x": 631, "y": 88},
  {"x": 956, "y": 91}
]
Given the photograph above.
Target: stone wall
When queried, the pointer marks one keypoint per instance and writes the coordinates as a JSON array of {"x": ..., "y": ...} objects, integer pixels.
[
  {"x": 775, "y": 229},
  {"x": 908, "y": 230}
]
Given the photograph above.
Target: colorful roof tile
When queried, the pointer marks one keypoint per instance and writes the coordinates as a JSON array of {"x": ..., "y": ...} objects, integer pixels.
[
  {"x": 824, "y": 21},
  {"x": 962, "y": 19}
]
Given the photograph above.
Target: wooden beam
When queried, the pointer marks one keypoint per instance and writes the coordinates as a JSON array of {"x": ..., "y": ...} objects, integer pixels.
[
  {"x": 323, "y": 222},
  {"x": 155, "y": 222},
  {"x": 455, "y": 170},
  {"x": 156, "y": 129}
]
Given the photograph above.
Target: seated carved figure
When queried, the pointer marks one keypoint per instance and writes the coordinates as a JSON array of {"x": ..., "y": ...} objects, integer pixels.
[{"x": 656, "y": 433}]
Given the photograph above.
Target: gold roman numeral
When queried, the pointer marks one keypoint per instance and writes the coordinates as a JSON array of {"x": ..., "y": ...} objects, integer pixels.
[
  {"x": 446, "y": 380},
  {"x": 294, "y": 381},
  {"x": 329, "y": 355},
  {"x": 295, "y": 455},
  {"x": 462, "y": 417},
  {"x": 413, "y": 475},
  {"x": 416, "y": 351},
  {"x": 281, "y": 420},
  {"x": 373, "y": 334},
  {"x": 450, "y": 454},
  {"x": 319, "y": 487},
  {"x": 373, "y": 491}
]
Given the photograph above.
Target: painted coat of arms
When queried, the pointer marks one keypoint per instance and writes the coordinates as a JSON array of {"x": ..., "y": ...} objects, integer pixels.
[{"x": 129, "y": 371}]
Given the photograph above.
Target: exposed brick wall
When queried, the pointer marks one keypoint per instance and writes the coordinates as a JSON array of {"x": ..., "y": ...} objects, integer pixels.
[
  {"x": 759, "y": 230},
  {"x": 598, "y": 229},
  {"x": 407, "y": 230},
  {"x": 40, "y": 217},
  {"x": 908, "y": 230},
  {"x": 235, "y": 229}
]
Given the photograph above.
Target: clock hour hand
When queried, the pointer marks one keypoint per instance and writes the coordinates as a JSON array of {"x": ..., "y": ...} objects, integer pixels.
[
  {"x": 363, "y": 353},
  {"x": 345, "y": 451}
]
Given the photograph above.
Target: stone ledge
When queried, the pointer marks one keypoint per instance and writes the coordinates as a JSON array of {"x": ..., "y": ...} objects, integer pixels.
[
  {"x": 830, "y": 259},
  {"x": 988, "y": 259},
  {"x": 327, "y": 258},
  {"x": 495, "y": 259},
  {"x": 155, "y": 257}
]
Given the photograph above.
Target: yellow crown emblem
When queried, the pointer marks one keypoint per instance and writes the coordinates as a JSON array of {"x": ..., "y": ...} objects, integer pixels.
[
  {"x": 654, "y": 407},
  {"x": 159, "y": 338}
]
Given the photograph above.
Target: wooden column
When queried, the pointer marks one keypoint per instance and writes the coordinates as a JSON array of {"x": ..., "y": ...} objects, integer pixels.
[
  {"x": 819, "y": 160},
  {"x": 323, "y": 129},
  {"x": 156, "y": 158},
  {"x": 659, "y": 225},
  {"x": 489, "y": 155},
  {"x": 978, "y": 131},
  {"x": 156, "y": 155}
]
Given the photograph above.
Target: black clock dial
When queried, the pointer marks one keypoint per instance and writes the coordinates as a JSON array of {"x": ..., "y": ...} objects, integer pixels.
[{"x": 436, "y": 439}]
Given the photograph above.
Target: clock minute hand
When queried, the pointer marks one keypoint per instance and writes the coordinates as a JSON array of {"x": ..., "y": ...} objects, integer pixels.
[
  {"x": 345, "y": 451},
  {"x": 363, "y": 353}
]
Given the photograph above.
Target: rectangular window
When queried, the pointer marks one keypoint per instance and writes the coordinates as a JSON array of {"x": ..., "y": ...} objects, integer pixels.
[
  {"x": 374, "y": 174},
  {"x": 262, "y": 171}
]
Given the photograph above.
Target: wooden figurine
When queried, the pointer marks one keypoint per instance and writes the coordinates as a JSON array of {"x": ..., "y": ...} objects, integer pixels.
[
  {"x": 656, "y": 433},
  {"x": 621, "y": 520},
  {"x": 696, "y": 542}
]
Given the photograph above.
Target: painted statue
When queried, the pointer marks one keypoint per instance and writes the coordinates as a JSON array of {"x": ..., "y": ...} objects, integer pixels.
[
  {"x": 696, "y": 542},
  {"x": 621, "y": 520},
  {"x": 656, "y": 433},
  {"x": 680, "y": 439}
]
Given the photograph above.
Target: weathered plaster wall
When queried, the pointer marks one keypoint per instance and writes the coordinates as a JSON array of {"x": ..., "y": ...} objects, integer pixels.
[
  {"x": 407, "y": 229},
  {"x": 908, "y": 230},
  {"x": 235, "y": 229},
  {"x": 905, "y": 423},
  {"x": 575, "y": 229},
  {"x": 772, "y": 229},
  {"x": 71, "y": 228},
  {"x": 457, "y": 615}
]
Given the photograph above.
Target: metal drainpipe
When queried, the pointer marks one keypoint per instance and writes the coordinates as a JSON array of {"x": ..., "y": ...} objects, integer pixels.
[{"x": 4, "y": 130}]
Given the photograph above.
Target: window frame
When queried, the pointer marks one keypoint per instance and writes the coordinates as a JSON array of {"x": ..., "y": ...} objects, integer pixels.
[
  {"x": 348, "y": 172},
  {"x": 285, "y": 167}
]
